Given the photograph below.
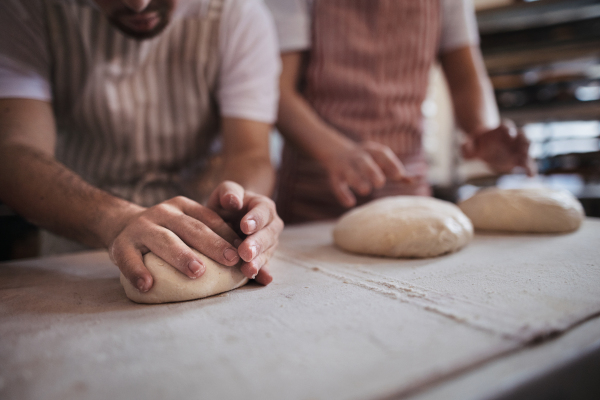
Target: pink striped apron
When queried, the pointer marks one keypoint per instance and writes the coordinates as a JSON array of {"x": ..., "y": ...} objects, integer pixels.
[{"x": 367, "y": 76}]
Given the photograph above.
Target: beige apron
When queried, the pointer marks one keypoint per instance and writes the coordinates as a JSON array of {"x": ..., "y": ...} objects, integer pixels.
[
  {"x": 135, "y": 118},
  {"x": 367, "y": 76}
]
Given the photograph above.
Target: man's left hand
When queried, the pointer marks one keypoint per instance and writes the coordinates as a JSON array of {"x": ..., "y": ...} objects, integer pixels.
[
  {"x": 503, "y": 149},
  {"x": 255, "y": 218}
]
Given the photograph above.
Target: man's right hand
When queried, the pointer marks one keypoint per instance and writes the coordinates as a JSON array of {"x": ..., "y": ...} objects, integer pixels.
[
  {"x": 360, "y": 168},
  {"x": 169, "y": 230}
]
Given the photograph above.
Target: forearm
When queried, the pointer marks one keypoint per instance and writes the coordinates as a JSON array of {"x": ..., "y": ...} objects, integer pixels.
[
  {"x": 299, "y": 123},
  {"x": 471, "y": 90},
  {"x": 246, "y": 156},
  {"x": 496, "y": 142},
  {"x": 53, "y": 197},
  {"x": 253, "y": 172}
]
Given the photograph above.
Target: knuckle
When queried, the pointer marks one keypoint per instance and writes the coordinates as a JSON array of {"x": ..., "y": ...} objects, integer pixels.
[
  {"x": 389, "y": 153},
  {"x": 161, "y": 208},
  {"x": 266, "y": 202},
  {"x": 116, "y": 252},
  {"x": 278, "y": 224},
  {"x": 143, "y": 222},
  {"x": 210, "y": 217},
  {"x": 369, "y": 144},
  {"x": 258, "y": 243},
  {"x": 164, "y": 236},
  {"x": 177, "y": 200},
  {"x": 364, "y": 158},
  {"x": 270, "y": 202},
  {"x": 257, "y": 263}
]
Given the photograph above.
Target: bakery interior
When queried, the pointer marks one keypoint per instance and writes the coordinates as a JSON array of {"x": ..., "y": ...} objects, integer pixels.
[{"x": 543, "y": 59}]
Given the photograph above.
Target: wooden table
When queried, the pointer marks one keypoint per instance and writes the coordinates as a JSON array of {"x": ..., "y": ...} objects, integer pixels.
[{"x": 331, "y": 325}]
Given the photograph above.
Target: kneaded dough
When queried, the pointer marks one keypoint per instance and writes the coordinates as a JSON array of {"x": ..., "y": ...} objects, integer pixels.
[
  {"x": 171, "y": 285},
  {"x": 534, "y": 210},
  {"x": 404, "y": 226}
]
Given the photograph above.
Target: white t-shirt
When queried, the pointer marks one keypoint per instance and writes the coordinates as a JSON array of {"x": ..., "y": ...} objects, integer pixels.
[
  {"x": 293, "y": 21},
  {"x": 249, "y": 64}
]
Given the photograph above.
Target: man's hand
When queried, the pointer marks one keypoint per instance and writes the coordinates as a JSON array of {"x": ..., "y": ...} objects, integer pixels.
[
  {"x": 169, "y": 230},
  {"x": 503, "y": 149},
  {"x": 254, "y": 217},
  {"x": 361, "y": 167}
]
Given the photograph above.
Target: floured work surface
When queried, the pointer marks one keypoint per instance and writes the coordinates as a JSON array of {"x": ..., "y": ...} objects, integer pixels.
[{"x": 331, "y": 325}]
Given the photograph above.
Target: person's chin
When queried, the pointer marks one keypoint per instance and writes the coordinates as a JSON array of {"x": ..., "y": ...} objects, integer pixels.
[{"x": 141, "y": 32}]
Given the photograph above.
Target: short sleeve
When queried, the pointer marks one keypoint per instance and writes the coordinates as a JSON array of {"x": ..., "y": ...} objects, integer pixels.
[
  {"x": 459, "y": 25},
  {"x": 249, "y": 76},
  {"x": 24, "y": 56},
  {"x": 292, "y": 20}
]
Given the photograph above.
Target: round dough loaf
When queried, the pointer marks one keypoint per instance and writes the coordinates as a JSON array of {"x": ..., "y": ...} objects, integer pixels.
[
  {"x": 171, "y": 285},
  {"x": 404, "y": 226},
  {"x": 533, "y": 210}
]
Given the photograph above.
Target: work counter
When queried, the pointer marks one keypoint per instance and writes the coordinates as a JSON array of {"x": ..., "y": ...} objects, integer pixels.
[{"x": 503, "y": 311}]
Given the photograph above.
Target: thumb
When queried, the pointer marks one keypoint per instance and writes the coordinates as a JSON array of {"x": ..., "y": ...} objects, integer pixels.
[{"x": 228, "y": 196}]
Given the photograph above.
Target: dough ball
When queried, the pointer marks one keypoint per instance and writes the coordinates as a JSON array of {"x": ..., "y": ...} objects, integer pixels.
[
  {"x": 171, "y": 285},
  {"x": 536, "y": 210},
  {"x": 403, "y": 226}
]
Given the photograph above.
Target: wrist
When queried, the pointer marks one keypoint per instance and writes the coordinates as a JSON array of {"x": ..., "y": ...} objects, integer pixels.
[
  {"x": 478, "y": 130},
  {"x": 254, "y": 173},
  {"x": 332, "y": 145},
  {"x": 113, "y": 219}
]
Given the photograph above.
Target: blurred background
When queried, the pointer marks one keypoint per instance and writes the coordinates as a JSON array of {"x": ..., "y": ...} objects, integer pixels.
[{"x": 543, "y": 58}]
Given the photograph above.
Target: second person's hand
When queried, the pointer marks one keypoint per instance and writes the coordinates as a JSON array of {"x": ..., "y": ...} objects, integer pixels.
[
  {"x": 502, "y": 148},
  {"x": 361, "y": 167}
]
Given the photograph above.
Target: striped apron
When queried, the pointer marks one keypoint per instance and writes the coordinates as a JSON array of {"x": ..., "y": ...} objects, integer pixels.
[
  {"x": 134, "y": 118},
  {"x": 367, "y": 76}
]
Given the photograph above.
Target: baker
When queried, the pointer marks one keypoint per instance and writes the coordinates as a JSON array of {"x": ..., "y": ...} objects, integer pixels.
[
  {"x": 355, "y": 73},
  {"x": 108, "y": 113}
]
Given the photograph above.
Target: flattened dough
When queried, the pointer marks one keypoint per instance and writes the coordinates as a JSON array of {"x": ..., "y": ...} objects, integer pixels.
[
  {"x": 404, "y": 227},
  {"x": 535, "y": 210},
  {"x": 171, "y": 285}
]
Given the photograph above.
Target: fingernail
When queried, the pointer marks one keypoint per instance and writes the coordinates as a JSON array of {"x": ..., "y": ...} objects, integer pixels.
[
  {"x": 251, "y": 225},
  {"x": 237, "y": 242},
  {"x": 141, "y": 283},
  {"x": 253, "y": 251},
  {"x": 196, "y": 268},
  {"x": 231, "y": 255}
]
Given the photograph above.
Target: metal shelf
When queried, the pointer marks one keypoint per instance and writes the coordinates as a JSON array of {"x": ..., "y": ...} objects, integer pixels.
[
  {"x": 520, "y": 59},
  {"x": 581, "y": 111},
  {"x": 534, "y": 15}
]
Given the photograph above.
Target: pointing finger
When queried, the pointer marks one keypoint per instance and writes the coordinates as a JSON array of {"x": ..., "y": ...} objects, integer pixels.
[
  {"x": 228, "y": 196},
  {"x": 389, "y": 163}
]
